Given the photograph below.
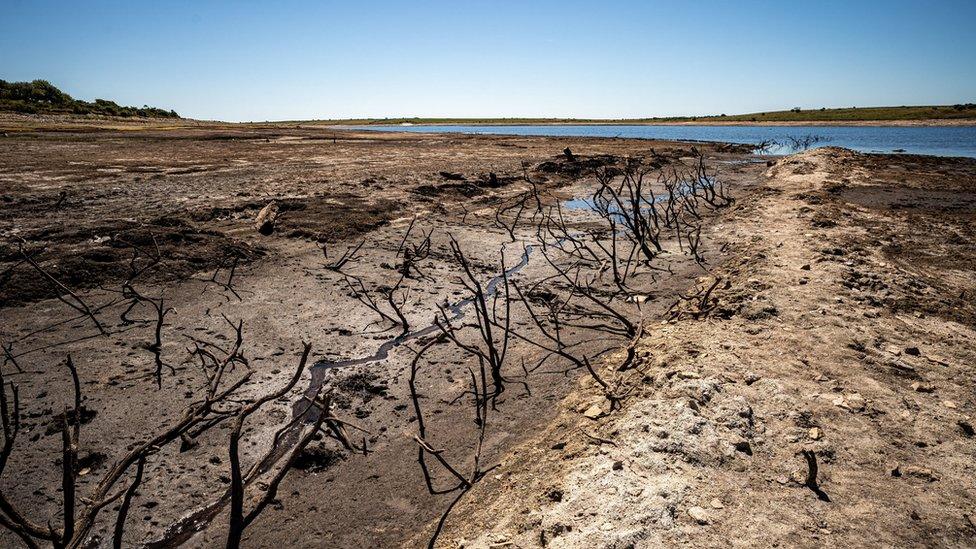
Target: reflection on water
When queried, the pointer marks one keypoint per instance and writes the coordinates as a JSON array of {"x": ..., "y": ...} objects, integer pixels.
[{"x": 934, "y": 140}]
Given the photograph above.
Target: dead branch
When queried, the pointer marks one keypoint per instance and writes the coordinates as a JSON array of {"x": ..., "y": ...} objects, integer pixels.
[
  {"x": 60, "y": 290},
  {"x": 346, "y": 257}
]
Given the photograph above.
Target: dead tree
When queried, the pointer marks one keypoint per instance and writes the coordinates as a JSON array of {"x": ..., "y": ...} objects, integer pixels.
[
  {"x": 706, "y": 187},
  {"x": 492, "y": 321},
  {"x": 519, "y": 208},
  {"x": 481, "y": 396},
  {"x": 387, "y": 302},
  {"x": 224, "y": 400},
  {"x": 160, "y": 310},
  {"x": 228, "y": 283},
  {"x": 412, "y": 254}
]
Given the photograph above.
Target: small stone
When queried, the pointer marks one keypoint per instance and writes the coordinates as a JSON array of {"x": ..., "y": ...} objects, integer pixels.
[
  {"x": 855, "y": 402},
  {"x": 949, "y": 404},
  {"x": 266, "y": 219},
  {"x": 698, "y": 514},
  {"x": 618, "y": 465},
  {"x": 912, "y": 351},
  {"x": 921, "y": 473},
  {"x": 716, "y": 504},
  {"x": 922, "y": 388},
  {"x": 752, "y": 377},
  {"x": 815, "y": 433},
  {"x": 593, "y": 412},
  {"x": 805, "y": 267}
]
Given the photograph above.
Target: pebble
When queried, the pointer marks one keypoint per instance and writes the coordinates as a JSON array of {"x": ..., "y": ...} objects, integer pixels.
[
  {"x": 949, "y": 404},
  {"x": 698, "y": 514},
  {"x": 593, "y": 412},
  {"x": 815, "y": 433},
  {"x": 716, "y": 504}
]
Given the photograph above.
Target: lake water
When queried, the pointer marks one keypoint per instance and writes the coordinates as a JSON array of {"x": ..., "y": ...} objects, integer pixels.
[{"x": 933, "y": 140}]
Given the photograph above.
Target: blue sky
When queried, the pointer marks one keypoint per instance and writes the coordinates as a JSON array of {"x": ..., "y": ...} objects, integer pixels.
[{"x": 302, "y": 60}]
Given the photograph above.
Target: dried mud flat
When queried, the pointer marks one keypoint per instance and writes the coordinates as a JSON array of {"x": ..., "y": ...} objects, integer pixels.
[{"x": 837, "y": 328}]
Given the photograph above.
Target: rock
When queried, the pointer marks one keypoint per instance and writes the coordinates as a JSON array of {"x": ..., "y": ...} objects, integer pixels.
[
  {"x": 698, "y": 514},
  {"x": 815, "y": 433},
  {"x": 805, "y": 267},
  {"x": 266, "y": 219},
  {"x": 593, "y": 412},
  {"x": 922, "y": 388},
  {"x": 949, "y": 404},
  {"x": 921, "y": 473},
  {"x": 618, "y": 465},
  {"x": 913, "y": 351},
  {"x": 853, "y": 402},
  {"x": 752, "y": 377},
  {"x": 716, "y": 504}
]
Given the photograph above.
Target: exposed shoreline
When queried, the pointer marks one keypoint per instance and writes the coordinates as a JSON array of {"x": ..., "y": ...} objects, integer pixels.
[
  {"x": 820, "y": 255},
  {"x": 11, "y": 121}
]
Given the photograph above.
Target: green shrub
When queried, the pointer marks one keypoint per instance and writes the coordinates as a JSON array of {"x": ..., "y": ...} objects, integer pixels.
[{"x": 42, "y": 97}]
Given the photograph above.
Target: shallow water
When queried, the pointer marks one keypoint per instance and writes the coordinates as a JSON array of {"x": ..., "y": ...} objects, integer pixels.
[{"x": 932, "y": 140}]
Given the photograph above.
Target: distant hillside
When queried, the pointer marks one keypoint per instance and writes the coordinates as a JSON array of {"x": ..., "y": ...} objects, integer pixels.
[
  {"x": 852, "y": 114},
  {"x": 42, "y": 97},
  {"x": 840, "y": 116}
]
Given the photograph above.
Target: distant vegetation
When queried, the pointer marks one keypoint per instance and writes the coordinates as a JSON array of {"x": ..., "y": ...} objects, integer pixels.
[
  {"x": 796, "y": 114},
  {"x": 42, "y": 97}
]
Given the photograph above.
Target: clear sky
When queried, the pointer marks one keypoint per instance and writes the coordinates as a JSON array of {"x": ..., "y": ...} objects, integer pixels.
[{"x": 564, "y": 58}]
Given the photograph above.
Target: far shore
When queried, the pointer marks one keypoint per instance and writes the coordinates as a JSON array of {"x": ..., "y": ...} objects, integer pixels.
[{"x": 929, "y": 122}]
